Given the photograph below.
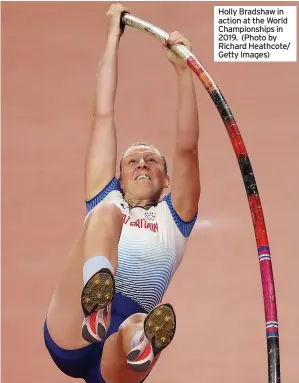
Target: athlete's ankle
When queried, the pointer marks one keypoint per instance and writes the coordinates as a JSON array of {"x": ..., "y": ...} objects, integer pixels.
[
  {"x": 95, "y": 264},
  {"x": 141, "y": 355}
]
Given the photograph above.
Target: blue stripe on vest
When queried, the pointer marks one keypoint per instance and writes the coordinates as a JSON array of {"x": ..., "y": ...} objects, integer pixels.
[
  {"x": 111, "y": 186},
  {"x": 184, "y": 227}
]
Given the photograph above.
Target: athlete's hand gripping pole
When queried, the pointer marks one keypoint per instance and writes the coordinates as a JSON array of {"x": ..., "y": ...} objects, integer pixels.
[{"x": 249, "y": 182}]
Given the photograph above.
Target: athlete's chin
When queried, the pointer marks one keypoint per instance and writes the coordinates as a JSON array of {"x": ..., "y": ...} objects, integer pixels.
[{"x": 146, "y": 192}]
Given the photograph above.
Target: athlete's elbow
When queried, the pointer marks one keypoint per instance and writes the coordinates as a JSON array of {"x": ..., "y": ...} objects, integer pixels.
[
  {"x": 103, "y": 113},
  {"x": 187, "y": 150},
  {"x": 102, "y": 121},
  {"x": 187, "y": 143}
]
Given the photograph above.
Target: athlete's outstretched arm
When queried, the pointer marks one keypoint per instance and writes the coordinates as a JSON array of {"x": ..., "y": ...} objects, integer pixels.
[
  {"x": 101, "y": 155},
  {"x": 185, "y": 189}
]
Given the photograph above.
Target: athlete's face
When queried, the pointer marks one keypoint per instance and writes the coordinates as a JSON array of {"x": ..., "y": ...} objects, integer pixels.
[{"x": 143, "y": 173}]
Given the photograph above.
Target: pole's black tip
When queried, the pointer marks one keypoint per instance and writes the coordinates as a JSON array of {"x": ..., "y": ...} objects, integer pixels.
[{"x": 121, "y": 22}]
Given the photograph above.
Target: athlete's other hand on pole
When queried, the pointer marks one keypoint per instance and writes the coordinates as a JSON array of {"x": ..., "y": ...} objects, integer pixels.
[
  {"x": 113, "y": 19},
  {"x": 176, "y": 38}
]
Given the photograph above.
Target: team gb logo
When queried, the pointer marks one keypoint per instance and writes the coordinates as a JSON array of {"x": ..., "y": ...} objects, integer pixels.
[{"x": 149, "y": 216}]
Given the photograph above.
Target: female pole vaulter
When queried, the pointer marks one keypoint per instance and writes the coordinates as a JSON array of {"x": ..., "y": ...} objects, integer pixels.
[{"x": 106, "y": 322}]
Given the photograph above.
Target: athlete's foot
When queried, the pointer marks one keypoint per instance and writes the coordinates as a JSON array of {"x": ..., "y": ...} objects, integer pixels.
[
  {"x": 159, "y": 330},
  {"x": 96, "y": 299}
]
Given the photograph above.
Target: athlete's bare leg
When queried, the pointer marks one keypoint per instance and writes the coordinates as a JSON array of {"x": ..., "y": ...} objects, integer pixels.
[
  {"x": 114, "y": 367},
  {"x": 100, "y": 236}
]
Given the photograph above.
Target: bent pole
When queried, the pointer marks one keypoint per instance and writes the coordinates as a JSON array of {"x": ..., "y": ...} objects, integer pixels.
[{"x": 263, "y": 249}]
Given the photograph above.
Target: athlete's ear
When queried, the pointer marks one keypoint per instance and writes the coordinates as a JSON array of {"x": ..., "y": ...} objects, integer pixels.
[
  {"x": 167, "y": 182},
  {"x": 120, "y": 181}
]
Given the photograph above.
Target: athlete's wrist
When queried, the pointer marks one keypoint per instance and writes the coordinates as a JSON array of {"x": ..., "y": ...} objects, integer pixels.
[
  {"x": 113, "y": 38},
  {"x": 183, "y": 72}
]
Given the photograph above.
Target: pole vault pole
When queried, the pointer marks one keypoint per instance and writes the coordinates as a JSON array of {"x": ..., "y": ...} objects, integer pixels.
[{"x": 255, "y": 205}]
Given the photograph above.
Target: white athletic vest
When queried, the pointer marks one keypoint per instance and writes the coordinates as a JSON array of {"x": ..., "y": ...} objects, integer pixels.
[{"x": 150, "y": 249}]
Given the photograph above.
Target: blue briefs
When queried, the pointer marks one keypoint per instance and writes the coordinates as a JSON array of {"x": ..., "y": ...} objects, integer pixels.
[{"x": 84, "y": 363}]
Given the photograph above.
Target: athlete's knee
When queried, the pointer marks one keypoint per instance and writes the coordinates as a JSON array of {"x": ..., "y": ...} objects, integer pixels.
[
  {"x": 131, "y": 328},
  {"x": 135, "y": 320},
  {"x": 106, "y": 212}
]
